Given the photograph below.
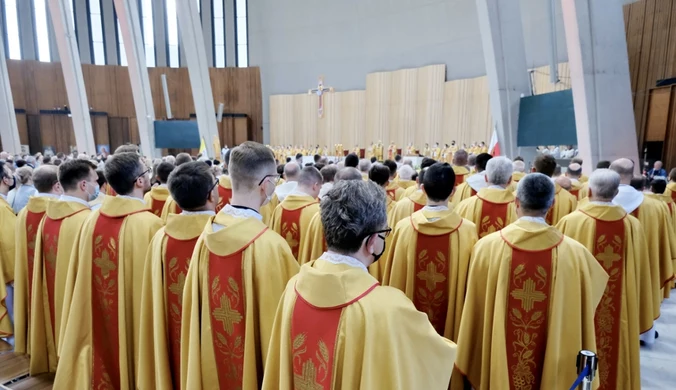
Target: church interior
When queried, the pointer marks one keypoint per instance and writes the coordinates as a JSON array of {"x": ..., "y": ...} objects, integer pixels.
[{"x": 585, "y": 85}]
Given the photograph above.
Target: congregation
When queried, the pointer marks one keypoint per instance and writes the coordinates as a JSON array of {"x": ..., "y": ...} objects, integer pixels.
[{"x": 260, "y": 271}]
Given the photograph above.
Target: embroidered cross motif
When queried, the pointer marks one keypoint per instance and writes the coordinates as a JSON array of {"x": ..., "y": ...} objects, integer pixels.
[
  {"x": 528, "y": 295},
  {"x": 431, "y": 276},
  {"x": 608, "y": 256},
  {"x": 226, "y": 315},
  {"x": 308, "y": 378}
]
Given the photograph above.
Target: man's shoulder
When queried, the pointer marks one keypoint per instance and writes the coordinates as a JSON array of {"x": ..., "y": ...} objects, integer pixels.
[
  {"x": 384, "y": 299},
  {"x": 573, "y": 249}
]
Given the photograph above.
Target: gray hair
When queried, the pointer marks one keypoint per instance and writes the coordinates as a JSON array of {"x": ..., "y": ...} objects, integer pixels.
[
  {"x": 536, "y": 193},
  {"x": 406, "y": 172},
  {"x": 170, "y": 159},
  {"x": 499, "y": 170},
  {"x": 291, "y": 171},
  {"x": 350, "y": 211},
  {"x": 364, "y": 165},
  {"x": 519, "y": 166},
  {"x": 604, "y": 183},
  {"x": 408, "y": 162}
]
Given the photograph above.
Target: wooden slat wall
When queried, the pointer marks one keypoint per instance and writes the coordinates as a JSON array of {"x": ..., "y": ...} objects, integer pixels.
[
  {"x": 40, "y": 86},
  {"x": 651, "y": 45}
]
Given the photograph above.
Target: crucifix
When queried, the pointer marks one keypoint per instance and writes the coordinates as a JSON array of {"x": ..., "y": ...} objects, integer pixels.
[{"x": 319, "y": 91}]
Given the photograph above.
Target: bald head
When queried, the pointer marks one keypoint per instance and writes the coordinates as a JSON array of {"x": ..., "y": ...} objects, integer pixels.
[
  {"x": 519, "y": 166},
  {"x": 291, "y": 171},
  {"x": 564, "y": 182},
  {"x": 348, "y": 173},
  {"x": 460, "y": 158},
  {"x": 625, "y": 168},
  {"x": 46, "y": 179},
  {"x": 574, "y": 171}
]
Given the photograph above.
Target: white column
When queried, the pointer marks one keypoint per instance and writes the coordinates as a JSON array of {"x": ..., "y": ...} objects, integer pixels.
[
  {"x": 192, "y": 42},
  {"x": 230, "y": 34},
  {"x": 505, "y": 57},
  {"x": 130, "y": 24},
  {"x": 159, "y": 26},
  {"x": 9, "y": 132},
  {"x": 82, "y": 27},
  {"x": 66, "y": 42},
  {"x": 207, "y": 19},
  {"x": 599, "y": 71},
  {"x": 26, "y": 21},
  {"x": 109, "y": 32}
]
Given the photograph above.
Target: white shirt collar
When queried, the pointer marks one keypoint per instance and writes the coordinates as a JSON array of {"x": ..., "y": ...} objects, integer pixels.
[
  {"x": 241, "y": 213},
  {"x": 535, "y": 219},
  {"x": 46, "y": 195},
  {"x": 131, "y": 197},
  {"x": 599, "y": 203},
  {"x": 435, "y": 208},
  {"x": 163, "y": 186},
  {"x": 493, "y": 186},
  {"x": 335, "y": 258},
  {"x": 68, "y": 198},
  {"x": 3, "y": 197},
  {"x": 205, "y": 212},
  {"x": 298, "y": 192}
]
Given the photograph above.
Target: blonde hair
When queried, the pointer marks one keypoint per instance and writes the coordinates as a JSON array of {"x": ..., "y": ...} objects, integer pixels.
[{"x": 24, "y": 174}]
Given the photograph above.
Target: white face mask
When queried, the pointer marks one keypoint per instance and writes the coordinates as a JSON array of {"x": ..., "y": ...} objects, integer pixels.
[
  {"x": 268, "y": 198},
  {"x": 97, "y": 191}
]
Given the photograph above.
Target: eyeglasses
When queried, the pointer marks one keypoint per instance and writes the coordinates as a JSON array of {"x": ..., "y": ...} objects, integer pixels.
[
  {"x": 380, "y": 233},
  {"x": 275, "y": 179},
  {"x": 143, "y": 174},
  {"x": 213, "y": 186}
]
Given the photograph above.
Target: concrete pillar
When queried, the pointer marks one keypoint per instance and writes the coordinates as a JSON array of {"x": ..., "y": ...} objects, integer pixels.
[
  {"x": 192, "y": 42},
  {"x": 109, "y": 32},
  {"x": 9, "y": 132},
  {"x": 207, "y": 18},
  {"x": 72, "y": 74},
  {"x": 27, "y": 30},
  {"x": 84, "y": 37},
  {"x": 130, "y": 26},
  {"x": 230, "y": 34},
  {"x": 505, "y": 57},
  {"x": 53, "y": 46},
  {"x": 599, "y": 71},
  {"x": 159, "y": 25}
]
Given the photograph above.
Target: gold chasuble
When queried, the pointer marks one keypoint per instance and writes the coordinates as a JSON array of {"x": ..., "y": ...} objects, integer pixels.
[
  {"x": 429, "y": 262},
  {"x": 671, "y": 207},
  {"x": 166, "y": 268},
  {"x": 576, "y": 189},
  {"x": 102, "y": 307},
  {"x": 235, "y": 279},
  {"x": 617, "y": 241},
  {"x": 7, "y": 241},
  {"x": 170, "y": 207},
  {"x": 224, "y": 192},
  {"x": 564, "y": 204},
  {"x": 291, "y": 219},
  {"x": 491, "y": 210},
  {"x": 56, "y": 236},
  {"x": 313, "y": 243},
  {"x": 410, "y": 190},
  {"x": 27, "y": 224},
  {"x": 394, "y": 191},
  {"x": 268, "y": 209},
  {"x": 407, "y": 206},
  {"x": 460, "y": 174},
  {"x": 156, "y": 198},
  {"x": 516, "y": 177},
  {"x": 336, "y": 328},
  {"x": 671, "y": 190},
  {"x": 405, "y": 184},
  {"x": 531, "y": 298}
]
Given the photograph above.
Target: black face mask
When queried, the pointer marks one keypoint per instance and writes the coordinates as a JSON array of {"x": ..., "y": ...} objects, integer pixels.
[
  {"x": 13, "y": 183},
  {"x": 377, "y": 257}
]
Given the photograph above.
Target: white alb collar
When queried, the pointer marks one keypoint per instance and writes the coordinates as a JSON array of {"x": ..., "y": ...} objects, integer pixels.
[
  {"x": 241, "y": 213},
  {"x": 335, "y": 258},
  {"x": 68, "y": 198},
  {"x": 493, "y": 186},
  {"x": 599, "y": 203},
  {"x": 477, "y": 181},
  {"x": 535, "y": 219},
  {"x": 205, "y": 212},
  {"x": 131, "y": 197},
  {"x": 435, "y": 208},
  {"x": 46, "y": 195},
  {"x": 629, "y": 198}
]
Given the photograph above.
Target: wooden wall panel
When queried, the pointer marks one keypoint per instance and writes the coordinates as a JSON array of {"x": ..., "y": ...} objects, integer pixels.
[
  {"x": 101, "y": 131},
  {"x": 467, "y": 115},
  {"x": 281, "y": 119},
  {"x": 22, "y": 125}
]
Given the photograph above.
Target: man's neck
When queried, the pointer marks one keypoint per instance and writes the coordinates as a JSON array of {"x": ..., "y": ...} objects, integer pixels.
[
  {"x": 78, "y": 195},
  {"x": 433, "y": 203},
  {"x": 136, "y": 194},
  {"x": 200, "y": 209},
  {"x": 504, "y": 187},
  {"x": 600, "y": 200},
  {"x": 245, "y": 199},
  {"x": 4, "y": 190}
]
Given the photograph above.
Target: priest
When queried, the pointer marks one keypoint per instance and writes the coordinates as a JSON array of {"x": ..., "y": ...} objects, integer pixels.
[
  {"x": 46, "y": 181},
  {"x": 315, "y": 244},
  {"x": 54, "y": 242},
  {"x": 224, "y": 184},
  {"x": 291, "y": 218},
  {"x": 564, "y": 202},
  {"x": 7, "y": 236},
  {"x": 102, "y": 299},
  {"x": 654, "y": 218},
  {"x": 671, "y": 186},
  {"x": 409, "y": 204},
  {"x": 473, "y": 183},
  {"x": 156, "y": 198},
  {"x": 492, "y": 208},
  {"x": 531, "y": 298},
  {"x": 460, "y": 166},
  {"x": 329, "y": 327},
  {"x": 574, "y": 173},
  {"x": 394, "y": 191},
  {"x": 519, "y": 168},
  {"x": 429, "y": 255},
  {"x": 170, "y": 206},
  {"x": 404, "y": 177},
  {"x": 617, "y": 241},
  {"x": 193, "y": 187},
  {"x": 236, "y": 276},
  {"x": 380, "y": 174}
]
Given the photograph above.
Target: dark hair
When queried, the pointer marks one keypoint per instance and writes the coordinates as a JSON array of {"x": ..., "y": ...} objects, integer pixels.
[
  {"x": 102, "y": 178},
  {"x": 163, "y": 170},
  {"x": 208, "y": 162},
  {"x": 603, "y": 164},
  {"x": 319, "y": 166},
  {"x": 545, "y": 164},
  {"x": 309, "y": 165},
  {"x": 122, "y": 170},
  {"x": 427, "y": 162},
  {"x": 481, "y": 161},
  {"x": 280, "y": 169},
  {"x": 45, "y": 177},
  {"x": 46, "y": 159},
  {"x": 2, "y": 170},
  {"x": 658, "y": 186},
  {"x": 328, "y": 173},
  {"x": 351, "y": 160},
  {"x": 73, "y": 171},
  {"x": 218, "y": 162},
  {"x": 299, "y": 155},
  {"x": 226, "y": 157},
  {"x": 392, "y": 166},
  {"x": 317, "y": 157},
  {"x": 288, "y": 159},
  {"x": 57, "y": 161},
  {"x": 414, "y": 176},
  {"x": 60, "y": 155},
  {"x": 20, "y": 163},
  {"x": 397, "y": 158},
  {"x": 373, "y": 159},
  {"x": 379, "y": 174},
  {"x": 438, "y": 181},
  {"x": 182, "y": 158},
  {"x": 421, "y": 175},
  {"x": 518, "y": 158},
  {"x": 639, "y": 183},
  {"x": 190, "y": 185}
]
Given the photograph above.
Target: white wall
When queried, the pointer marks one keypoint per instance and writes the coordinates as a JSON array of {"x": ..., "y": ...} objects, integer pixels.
[{"x": 295, "y": 41}]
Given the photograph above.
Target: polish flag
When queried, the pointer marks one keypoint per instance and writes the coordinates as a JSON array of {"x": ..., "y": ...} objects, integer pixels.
[{"x": 494, "y": 146}]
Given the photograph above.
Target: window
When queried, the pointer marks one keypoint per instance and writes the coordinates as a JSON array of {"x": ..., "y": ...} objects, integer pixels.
[
  {"x": 120, "y": 43},
  {"x": 96, "y": 28},
  {"x": 72, "y": 13},
  {"x": 41, "y": 30},
  {"x": 219, "y": 34},
  {"x": 148, "y": 32},
  {"x": 12, "y": 23},
  {"x": 172, "y": 33},
  {"x": 242, "y": 34}
]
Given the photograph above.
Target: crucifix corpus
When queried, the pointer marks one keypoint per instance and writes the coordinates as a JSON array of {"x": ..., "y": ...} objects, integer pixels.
[{"x": 319, "y": 91}]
